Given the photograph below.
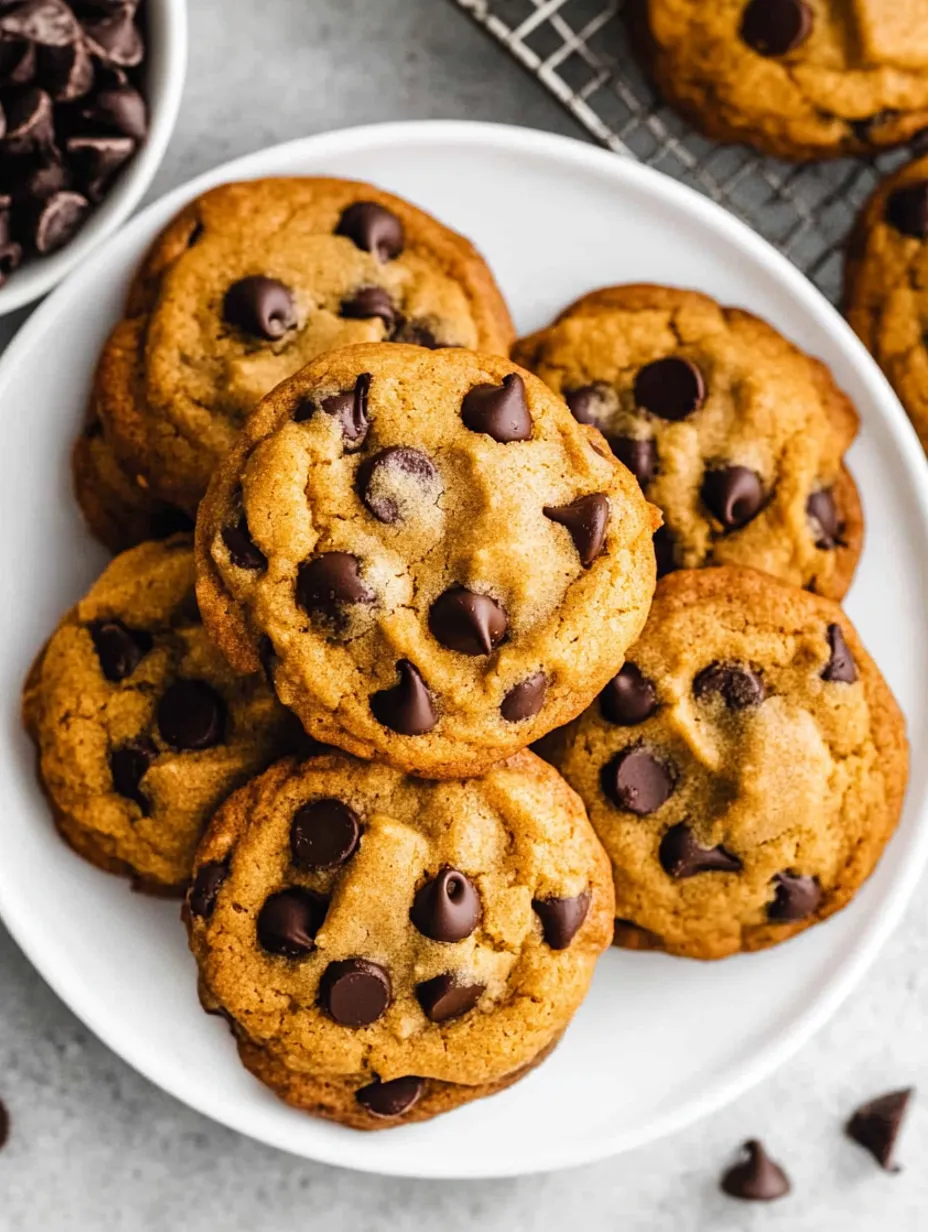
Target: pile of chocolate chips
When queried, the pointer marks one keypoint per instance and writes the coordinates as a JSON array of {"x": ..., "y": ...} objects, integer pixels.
[{"x": 70, "y": 116}]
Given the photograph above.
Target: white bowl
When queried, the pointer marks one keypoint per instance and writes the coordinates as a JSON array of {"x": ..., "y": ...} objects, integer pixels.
[{"x": 165, "y": 68}]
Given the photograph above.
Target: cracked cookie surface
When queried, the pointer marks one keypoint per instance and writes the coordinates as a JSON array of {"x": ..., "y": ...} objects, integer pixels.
[
  {"x": 249, "y": 283},
  {"x": 433, "y": 560},
  {"x": 142, "y": 728},
  {"x": 734, "y": 433},
  {"x": 744, "y": 769},
  {"x": 386, "y": 948}
]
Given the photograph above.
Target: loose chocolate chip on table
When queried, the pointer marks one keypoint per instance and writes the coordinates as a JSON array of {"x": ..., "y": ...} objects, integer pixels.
[
  {"x": 664, "y": 551},
  {"x": 206, "y": 887},
  {"x": 96, "y": 160},
  {"x": 391, "y": 1099},
  {"x": 795, "y": 898},
  {"x": 348, "y": 408},
  {"x": 128, "y": 766},
  {"x": 737, "y": 686},
  {"x": 242, "y": 551},
  {"x": 405, "y": 707},
  {"x": 65, "y": 72},
  {"x": 324, "y": 834},
  {"x": 470, "y": 623},
  {"x": 755, "y": 1178},
  {"x": 585, "y": 403},
  {"x": 443, "y": 998},
  {"x": 372, "y": 228},
  {"x": 120, "y": 109},
  {"x": 498, "y": 411},
  {"x": 119, "y": 649},
  {"x": 733, "y": 494},
  {"x": 586, "y": 519},
  {"x": 775, "y": 27},
  {"x": 4, "y": 1125},
  {"x": 524, "y": 700},
  {"x": 561, "y": 918},
  {"x": 681, "y": 856},
  {"x": 115, "y": 40},
  {"x": 355, "y": 992},
  {"x": 191, "y": 715},
  {"x": 30, "y": 125},
  {"x": 670, "y": 388},
  {"x": 260, "y": 306},
  {"x": 840, "y": 667},
  {"x": 640, "y": 456},
  {"x": 57, "y": 219},
  {"x": 447, "y": 908},
  {"x": 395, "y": 481},
  {"x": 629, "y": 698},
  {"x": 906, "y": 209},
  {"x": 637, "y": 781},
  {"x": 823, "y": 514},
  {"x": 372, "y": 302},
  {"x": 876, "y": 1124},
  {"x": 325, "y": 584},
  {"x": 289, "y": 920}
]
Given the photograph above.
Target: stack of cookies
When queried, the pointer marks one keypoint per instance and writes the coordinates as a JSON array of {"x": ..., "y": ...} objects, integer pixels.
[{"x": 413, "y": 558}]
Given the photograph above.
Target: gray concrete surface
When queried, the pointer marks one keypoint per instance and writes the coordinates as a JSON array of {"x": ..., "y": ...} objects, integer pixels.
[{"x": 94, "y": 1146}]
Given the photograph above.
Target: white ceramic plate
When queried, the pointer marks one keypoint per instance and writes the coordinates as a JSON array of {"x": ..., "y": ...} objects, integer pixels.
[{"x": 659, "y": 1041}]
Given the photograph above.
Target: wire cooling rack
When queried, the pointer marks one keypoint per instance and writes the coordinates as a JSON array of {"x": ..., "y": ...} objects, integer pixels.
[{"x": 579, "y": 50}]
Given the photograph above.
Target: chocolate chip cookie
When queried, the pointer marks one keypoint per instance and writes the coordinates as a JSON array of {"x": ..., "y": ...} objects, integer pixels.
[
  {"x": 798, "y": 79},
  {"x": 434, "y": 562},
  {"x": 386, "y": 948},
  {"x": 744, "y": 769},
  {"x": 249, "y": 283},
  {"x": 736, "y": 435},
  {"x": 886, "y": 280},
  {"x": 142, "y": 728}
]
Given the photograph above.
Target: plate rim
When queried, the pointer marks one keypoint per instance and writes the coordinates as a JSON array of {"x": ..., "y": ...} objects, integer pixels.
[{"x": 337, "y": 1149}]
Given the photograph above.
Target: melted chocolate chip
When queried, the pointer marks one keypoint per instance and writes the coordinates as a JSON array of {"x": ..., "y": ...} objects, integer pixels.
[
  {"x": 524, "y": 700},
  {"x": 637, "y": 781},
  {"x": 243, "y": 552},
  {"x": 393, "y": 483},
  {"x": 289, "y": 920},
  {"x": 191, "y": 715},
  {"x": 391, "y": 1099},
  {"x": 795, "y": 898},
  {"x": 664, "y": 551},
  {"x": 876, "y": 1125},
  {"x": 405, "y": 707},
  {"x": 823, "y": 515},
  {"x": 206, "y": 886},
  {"x": 447, "y": 908},
  {"x": 681, "y": 856},
  {"x": 470, "y": 623},
  {"x": 755, "y": 1178},
  {"x": 444, "y": 998},
  {"x": 328, "y": 584},
  {"x": 840, "y": 668},
  {"x": 629, "y": 698},
  {"x": 775, "y": 27},
  {"x": 372, "y": 302},
  {"x": 585, "y": 403},
  {"x": 348, "y": 408},
  {"x": 128, "y": 766},
  {"x": 734, "y": 495},
  {"x": 586, "y": 519},
  {"x": 324, "y": 834},
  {"x": 906, "y": 210},
  {"x": 372, "y": 228},
  {"x": 119, "y": 649},
  {"x": 561, "y": 918},
  {"x": 640, "y": 456},
  {"x": 670, "y": 388},
  {"x": 260, "y": 306},
  {"x": 499, "y": 411},
  {"x": 738, "y": 687},
  {"x": 355, "y": 992}
]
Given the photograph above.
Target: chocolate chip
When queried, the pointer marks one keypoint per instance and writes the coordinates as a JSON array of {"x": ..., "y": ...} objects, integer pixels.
[
  {"x": 498, "y": 411},
  {"x": 738, "y": 687},
  {"x": 242, "y": 551},
  {"x": 670, "y": 388},
  {"x": 637, "y": 781},
  {"x": 447, "y": 908},
  {"x": 640, "y": 456},
  {"x": 907, "y": 209},
  {"x": 11, "y": 256},
  {"x": 733, "y": 494},
  {"x": 43, "y": 180},
  {"x": 119, "y": 649},
  {"x": 467, "y": 622},
  {"x": 629, "y": 698},
  {"x": 443, "y": 998},
  {"x": 391, "y": 1099},
  {"x": 57, "y": 220},
  {"x": 96, "y": 160},
  {"x": 119, "y": 109},
  {"x": 524, "y": 700},
  {"x": 30, "y": 125},
  {"x": 586, "y": 403},
  {"x": 665, "y": 551},
  {"x": 840, "y": 668},
  {"x": 586, "y": 519},
  {"x": 876, "y": 1125},
  {"x": 4, "y": 1125},
  {"x": 65, "y": 72},
  {"x": 17, "y": 60},
  {"x": 191, "y": 715},
  {"x": 289, "y": 920},
  {"x": 327, "y": 584},
  {"x": 681, "y": 856},
  {"x": 206, "y": 886},
  {"x": 348, "y": 408},
  {"x": 393, "y": 483},
  {"x": 755, "y": 1178},
  {"x": 823, "y": 515},
  {"x": 775, "y": 27},
  {"x": 324, "y": 834},
  {"x": 561, "y": 918},
  {"x": 260, "y": 306},
  {"x": 372, "y": 302},
  {"x": 405, "y": 707},
  {"x": 373, "y": 229},
  {"x": 795, "y": 898},
  {"x": 128, "y": 766},
  {"x": 355, "y": 992},
  {"x": 49, "y": 22},
  {"x": 115, "y": 40}
]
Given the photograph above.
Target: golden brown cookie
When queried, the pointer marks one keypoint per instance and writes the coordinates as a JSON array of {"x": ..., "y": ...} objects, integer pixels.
[
  {"x": 798, "y": 79},
  {"x": 385, "y": 948},
  {"x": 734, "y": 433},
  {"x": 744, "y": 769},
  {"x": 886, "y": 287},
  {"x": 435, "y": 562},
  {"x": 142, "y": 728},
  {"x": 249, "y": 283}
]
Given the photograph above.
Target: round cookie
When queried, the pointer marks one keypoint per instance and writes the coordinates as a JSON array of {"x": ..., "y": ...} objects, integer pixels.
[
  {"x": 433, "y": 560},
  {"x": 735, "y": 434},
  {"x": 743, "y": 770},
  {"x": 885, "y": 286},
  {"x": 386, "y": 948},
  {"x": 142, "y": 728},
  {"x": 253, "y": 280}
]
